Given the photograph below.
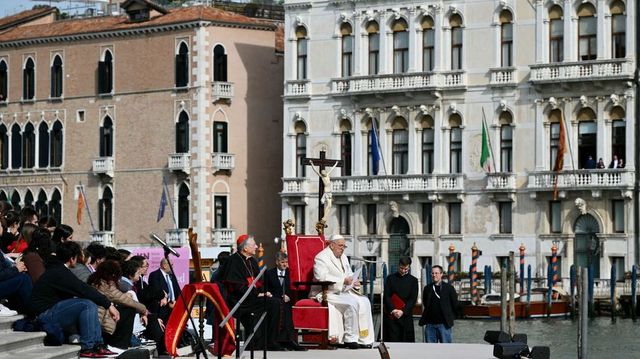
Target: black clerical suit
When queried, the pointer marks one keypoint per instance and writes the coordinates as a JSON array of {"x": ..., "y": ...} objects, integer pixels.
[
  {"x": 239, "y": 273},
  {"x": 158, "y": 283},
  {"x": 286, "y": 333},
  {"x": 400, "y": 290}
]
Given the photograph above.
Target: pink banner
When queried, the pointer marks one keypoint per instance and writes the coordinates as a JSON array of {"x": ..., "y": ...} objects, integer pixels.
[{"x": 155, "y": 255}]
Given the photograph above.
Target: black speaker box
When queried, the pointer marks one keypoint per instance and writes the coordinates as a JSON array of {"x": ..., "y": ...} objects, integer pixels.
[
  {"x": 540, "y": 353},
  {"x": 509, "y": 350},
  {"x": 496, "y": 336}
]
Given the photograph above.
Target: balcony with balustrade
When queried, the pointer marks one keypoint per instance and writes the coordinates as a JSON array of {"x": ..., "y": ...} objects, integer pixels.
[
  {"x": 404, "y": 82},
  {"x": 501, "y": 182},
  {"x": 300, "y": 89},
  {"x": 223, "y": 161},
  {"x": 177, "y": 237},
  {"x": 596, "y": 181},
  {"x": 298, "y": 186},
  {"x": 222, "y": 90},
  {"x": 503, "y": 76},
  {"x": 180, "y": 162},
  {"x": 223, "y": 236},
  {"x": 103, "y": 166},
  {"x": 103, "y": 237},
  {"x": 583, "y": 71}
]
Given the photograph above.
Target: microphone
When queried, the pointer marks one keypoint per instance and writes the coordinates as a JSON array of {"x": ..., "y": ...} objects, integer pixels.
[{"x": 163, "y": 244}]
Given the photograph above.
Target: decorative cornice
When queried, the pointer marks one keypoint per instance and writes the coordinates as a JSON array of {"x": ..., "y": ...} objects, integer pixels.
[{"x": 299, "y": 5}]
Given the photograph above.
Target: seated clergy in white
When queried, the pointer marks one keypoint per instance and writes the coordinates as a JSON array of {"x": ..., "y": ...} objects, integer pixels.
[{"x": 350, "y": 319}]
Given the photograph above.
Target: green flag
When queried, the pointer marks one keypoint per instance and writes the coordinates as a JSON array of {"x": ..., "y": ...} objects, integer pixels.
[{"x": 485, "y": 154}]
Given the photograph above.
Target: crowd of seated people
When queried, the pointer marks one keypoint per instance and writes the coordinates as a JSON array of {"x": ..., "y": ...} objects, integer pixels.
[{"x": 96, "y": 295}]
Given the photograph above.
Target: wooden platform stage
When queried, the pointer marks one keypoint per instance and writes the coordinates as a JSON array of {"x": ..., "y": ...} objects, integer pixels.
[{"x": 396, "y": 351}]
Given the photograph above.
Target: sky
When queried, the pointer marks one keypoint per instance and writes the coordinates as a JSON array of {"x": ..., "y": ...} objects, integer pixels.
[{"x": 10, "y": 7}]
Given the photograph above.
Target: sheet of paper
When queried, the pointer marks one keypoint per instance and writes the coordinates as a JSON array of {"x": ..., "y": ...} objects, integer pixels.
[{"x": 355, "y": 276}]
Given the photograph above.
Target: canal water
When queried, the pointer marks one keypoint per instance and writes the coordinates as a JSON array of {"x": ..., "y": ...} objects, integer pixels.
[{"x": 605, "y": 339}]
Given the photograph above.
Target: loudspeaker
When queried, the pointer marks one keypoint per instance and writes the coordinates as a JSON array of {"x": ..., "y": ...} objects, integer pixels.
[
  {"x": 496, "y": 336},
  {"x": 521, "y": 338},
  {"x": 540, "y": 353},
  {"x": 509, "y": 350}
]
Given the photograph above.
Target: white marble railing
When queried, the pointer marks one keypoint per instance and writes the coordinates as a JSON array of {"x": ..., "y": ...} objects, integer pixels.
[
  {"x": 180, "y": 162},
  {"x": 503, "y": 76},
  {"x": 103, "y": 237},
  {"x": 298, "y": 88},
  {"x": 295, "y": 185},
  {"x": 222, "y": 90},
  {"x": 103, "y": 165},
  {"x": 398, "y": 183},
  {"x": 398, "y": 82},
  {"x": 223, "y": 236},
  {"x": 177, "y": 237},
  {"x": 501, "y": 181},
  {"x": 223, "y": 161},
  {"x": 602, "y": 69},
  {"x": 581, "y": 179}
]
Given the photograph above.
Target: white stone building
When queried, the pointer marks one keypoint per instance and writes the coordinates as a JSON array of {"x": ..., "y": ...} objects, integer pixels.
[{"x": 428, "y": 72}]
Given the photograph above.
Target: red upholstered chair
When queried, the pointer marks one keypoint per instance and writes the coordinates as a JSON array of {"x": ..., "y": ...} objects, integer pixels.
[{"x": 309, "y": 316}]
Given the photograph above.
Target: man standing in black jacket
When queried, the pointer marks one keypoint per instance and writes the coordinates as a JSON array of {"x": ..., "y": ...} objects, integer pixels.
[
  {"x": 439, "y": 300},
  {"x": 60, "y": 297}
]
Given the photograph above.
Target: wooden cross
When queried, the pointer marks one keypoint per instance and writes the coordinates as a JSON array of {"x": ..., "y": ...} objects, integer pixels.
[{"x": 321, "y": 163}]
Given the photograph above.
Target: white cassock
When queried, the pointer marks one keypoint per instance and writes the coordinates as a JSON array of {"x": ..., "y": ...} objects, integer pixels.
[{"x": 350, "y": 317}]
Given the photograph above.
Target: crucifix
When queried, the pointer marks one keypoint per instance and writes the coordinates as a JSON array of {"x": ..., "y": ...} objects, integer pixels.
[{"x": 324, "y": 191}]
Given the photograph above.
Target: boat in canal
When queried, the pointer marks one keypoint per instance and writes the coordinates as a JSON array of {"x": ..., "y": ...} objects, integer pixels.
[{"x": 536, "y": 307}]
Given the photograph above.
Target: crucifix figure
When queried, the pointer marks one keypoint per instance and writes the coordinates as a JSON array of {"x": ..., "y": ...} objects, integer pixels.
[{"x": 318, "y": 165}]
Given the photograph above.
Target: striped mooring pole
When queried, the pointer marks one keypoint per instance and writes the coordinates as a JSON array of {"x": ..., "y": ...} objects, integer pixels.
[
  {"x": 554, "y": 264},
  {"x": 521, "y": 248},
  {"x": 474, "y": 274},
  {"x": 452, "y": 264}
]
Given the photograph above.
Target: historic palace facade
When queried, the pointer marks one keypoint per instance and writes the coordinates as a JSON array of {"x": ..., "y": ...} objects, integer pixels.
[
  {"x": 423, "y": 75},
  {"x": 118, "y": 103}
]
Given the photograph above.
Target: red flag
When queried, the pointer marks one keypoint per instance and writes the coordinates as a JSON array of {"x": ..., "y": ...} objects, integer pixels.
[
  {"x": 81, "y": 205},
  {"x": 562, "y": 148}
]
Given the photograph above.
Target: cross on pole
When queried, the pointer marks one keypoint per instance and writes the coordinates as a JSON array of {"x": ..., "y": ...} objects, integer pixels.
[{"x": 322, "y": 162}]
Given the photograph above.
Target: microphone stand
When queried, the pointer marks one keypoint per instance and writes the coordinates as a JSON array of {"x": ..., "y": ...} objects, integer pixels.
[{"x": 200, "y": 343}]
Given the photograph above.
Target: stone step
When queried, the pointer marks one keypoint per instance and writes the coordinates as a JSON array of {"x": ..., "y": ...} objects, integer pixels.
[
  {"x": 20, "y": 340},
  {"x": 6, "y": 322},
  {"x": 42, "y": 352}
]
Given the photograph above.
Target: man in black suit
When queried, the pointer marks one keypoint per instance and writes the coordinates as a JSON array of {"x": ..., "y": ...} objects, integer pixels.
[
  {"x": 159, "y": 280},
  {"x": 277, "y": 282}
]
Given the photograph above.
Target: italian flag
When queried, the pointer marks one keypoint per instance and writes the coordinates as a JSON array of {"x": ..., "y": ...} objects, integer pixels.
[{"x": 485, "y": 154}]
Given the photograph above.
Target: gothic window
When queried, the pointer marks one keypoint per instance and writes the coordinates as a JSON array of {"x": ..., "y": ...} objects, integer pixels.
[
  {"x": 42, "y": 208},
  {"x": 106, "y": 138},
  {"x": 16, "y": 147},
  {"x": 4, "y": 147},
  {"x": 43, "y": 145},
  {"x": 56, "y": 145},
  {"x": 182, "y": 65},
  {"x": 556, "y": 34},
  {"x": 29, "y": 147},
  {"x": 183, "y": 206},
  {"x": 105, "y": 210},
  {"x": 400, "y": 46},
  {"x": 55, "y": 206},
  {"x": 301, "y": 148},
  {"x": 105, "y": 74},
  {"x": 220, "y": 137},
  {"x": 219, "y": 64},
  {"x": 4, "y": 81},
  {"x": 28, "y": 80},
  {"x": 28, "y": 199},
  {"x": 56, "y": 77},
  {"x": 15, "y": 200},
  {"x": 182, "y": 133}
]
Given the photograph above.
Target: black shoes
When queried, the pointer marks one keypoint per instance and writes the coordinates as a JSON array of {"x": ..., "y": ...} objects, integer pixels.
[
  {"x": 295, "y": 347},
  {"x": 351, "y": 345}
]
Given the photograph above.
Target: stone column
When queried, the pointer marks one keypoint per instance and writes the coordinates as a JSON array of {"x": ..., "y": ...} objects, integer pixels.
[
  {"x": 446, "y": 48},
  {"x": 414, "y": 47},
  {"x": 541, "y": 150},
  {"x": 569, "y": 42},
  {"x": 358, "y": 154},
  {"x": 571, "y": 128},
  {"x": 413, "y": 142},
  {"x": 603, "y": 31},
  {"x": 446, "y": 140},
  {"x": 630, "y": 115},
  {"x": 542, "y": 33},
  {"x": 496, "y": 32},
  {"x": 438, "y": 49},
  {"x": 385, "y": 45},
  {"x": 603, "y": 130},
  {"x": 438, "y": 147},
  {"x": 359, "y": 38}
]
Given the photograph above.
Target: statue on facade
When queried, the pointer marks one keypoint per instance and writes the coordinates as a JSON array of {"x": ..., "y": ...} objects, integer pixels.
[
  {"x": 395, "y": 209},
  {"x": 581, "y": 205}
]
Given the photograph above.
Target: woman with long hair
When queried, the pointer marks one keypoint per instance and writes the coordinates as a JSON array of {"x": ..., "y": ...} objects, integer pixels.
[
  {"x": 105, "y": 280},
  {"x": 62, "y": 233},
  {"x": 38, "y": 253}
]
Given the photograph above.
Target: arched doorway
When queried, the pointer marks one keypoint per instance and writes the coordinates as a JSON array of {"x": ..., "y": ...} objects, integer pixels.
[
  {"x": 398, "y": 242},
  {"x": 586, "y": 251}
]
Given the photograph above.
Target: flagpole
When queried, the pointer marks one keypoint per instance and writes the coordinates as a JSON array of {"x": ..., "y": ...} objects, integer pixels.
[
  {"x": 86, "y": 205},
  {"x": 166, "y": 188},
  {"x": 493, "y": 157}
]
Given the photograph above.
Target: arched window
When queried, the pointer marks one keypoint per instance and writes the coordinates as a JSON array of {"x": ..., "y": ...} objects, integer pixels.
[
  {"x": 347, "y": 49},
  {"x": 57, "y": 145},
  {"x": 506, "y": 142},
  {"x": 183, "y": 206},
  {"x": 4, "y": 81},
  {"x": 182, "y": 133},
  {"x": 618, "y": 30},
  {"x": 105, "y": 74},
  {"x": 219, "y": 64},
  {"x": 56, "y": 77},
  {"x": 587, "y": 136},
  {"x": 105, "y": 210},
  {"x": 618, "y": 132},
  {"x": 301, "y": 53},
  {"x": 16, "y": 147},
  {"x": 4, "y": 147},
  {"x": 42, "y": 209},
  {"x": 182, "y": 66},
  {"x": 556, "y": 34},
  {"x": 29, "y": 147},
  {"x": 400, "y": 46},
  {"x": 106, "y": 138},
  {"x": 28, "y": 80},
  {"x": 427, "y": 145},
  {"x": 428, "y": 43},
  {"x": 373, "y": 31},
  {"x": 15, "y": 201},
  {"x": 587, "y": 32},
  {"x": 55, "y": 206},
  {"x": 3, "y": 196},
  {"x": 346, "y": 150},
  {"x": 506, "y": 38},
  {"x": 43, "y": 145},
  {"x": 455, "y": 22},
  {"x": 28, "y": 199},
  {"x": 301, "y": 148},
  {"x": 400, "y": 146},
  {"x": 455, "y": 144},
  {"x": 220, "y": 142},
  {"x": 555, "y": 116}
]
